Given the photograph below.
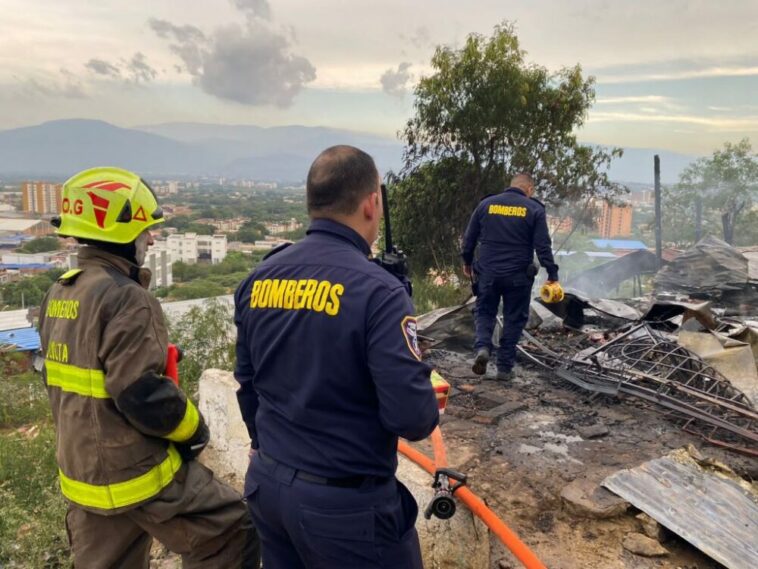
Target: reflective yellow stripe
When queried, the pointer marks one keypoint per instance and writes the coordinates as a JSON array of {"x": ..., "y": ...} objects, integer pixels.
[
  {"x": 187, "y": 426},
  {"x": 121, "y": 494},
  {"x": 87, "y": 382}
]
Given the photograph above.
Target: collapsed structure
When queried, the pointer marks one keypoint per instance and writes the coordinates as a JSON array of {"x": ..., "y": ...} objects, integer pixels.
[{"x": 688, "y": 352}]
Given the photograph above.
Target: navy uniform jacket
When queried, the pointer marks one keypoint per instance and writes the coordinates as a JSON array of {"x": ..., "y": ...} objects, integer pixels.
[
  {"x": 510, "y": 227},
  {"x": 328, "y": 359}
]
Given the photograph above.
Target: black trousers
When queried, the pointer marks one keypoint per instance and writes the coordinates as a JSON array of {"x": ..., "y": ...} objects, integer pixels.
[
  {"x": 307, "y": 525},
  {"x": 516, "y": 294}
]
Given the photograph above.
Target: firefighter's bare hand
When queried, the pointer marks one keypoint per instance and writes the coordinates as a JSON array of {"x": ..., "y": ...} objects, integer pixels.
[{"x": 467, "y": 270}]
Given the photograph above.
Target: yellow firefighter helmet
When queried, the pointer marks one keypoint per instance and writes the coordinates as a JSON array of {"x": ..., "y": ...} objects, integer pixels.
[{"x": 107, "y": 204}]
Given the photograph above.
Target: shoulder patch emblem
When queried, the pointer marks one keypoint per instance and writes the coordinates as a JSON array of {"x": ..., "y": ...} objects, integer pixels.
[{"x": 410, "y": 333}]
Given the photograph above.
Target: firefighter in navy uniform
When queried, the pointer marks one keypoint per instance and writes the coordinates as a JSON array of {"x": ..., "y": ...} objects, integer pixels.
[
  {"x": 509, "y": 227},
  {"x": 127, "y": 435},
  {"x": 330, "y": 376}
]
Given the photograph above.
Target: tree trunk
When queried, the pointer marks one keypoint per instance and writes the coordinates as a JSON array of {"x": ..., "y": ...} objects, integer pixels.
[
  {"x": 729, "y": 220},
  {"x": 728, "y": 227}
]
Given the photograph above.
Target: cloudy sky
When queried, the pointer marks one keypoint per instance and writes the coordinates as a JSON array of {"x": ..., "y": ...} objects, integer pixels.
[{"x": 680, "y": 75}]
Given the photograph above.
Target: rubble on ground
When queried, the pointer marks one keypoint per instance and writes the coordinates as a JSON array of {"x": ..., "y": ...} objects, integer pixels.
[
  {"x": 711, "y": 269},
  {"x": 640, "y": 544},
  {"x": 602, "y": 385}
]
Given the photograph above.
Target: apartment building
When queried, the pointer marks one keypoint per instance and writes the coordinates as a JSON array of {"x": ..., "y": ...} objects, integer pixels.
[
  {"x": 615, "y": 220},
  {"x": 279, "y": 227},
  {"x": 191, "y": 247},
  {"x": 159, "y": 260},
  {"x": 41, "y": 197}
]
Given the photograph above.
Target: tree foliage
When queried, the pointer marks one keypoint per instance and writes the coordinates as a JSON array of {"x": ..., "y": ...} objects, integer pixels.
[
  {"x": 206, "y": 336},
  {"x": 40, "y": 245},
  {"x": 726, "y": 187},
  {"x": 250, "y": 232},
  {"x": 483, "y": 115},
  {"x": 29, "y": 291}
]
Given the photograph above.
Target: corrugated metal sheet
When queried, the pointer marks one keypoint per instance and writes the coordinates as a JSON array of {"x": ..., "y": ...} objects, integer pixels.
[
  {"x": 715, "y": 511},
  {"x": 27, "y": 266},
  {"x": 12, "y": 319},
  {"x": 21, "y": 340}
]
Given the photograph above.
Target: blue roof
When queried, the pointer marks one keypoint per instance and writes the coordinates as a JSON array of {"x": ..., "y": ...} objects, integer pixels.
[
  {"x": 25, "y": 339},
  {"x": 21, "y": 266},
  {"x": 15, "y": 239},
  {"x": 619, "y": 244}
]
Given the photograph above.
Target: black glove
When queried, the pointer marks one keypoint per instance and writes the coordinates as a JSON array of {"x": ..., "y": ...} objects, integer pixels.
[{"x": 190, "y": 449}]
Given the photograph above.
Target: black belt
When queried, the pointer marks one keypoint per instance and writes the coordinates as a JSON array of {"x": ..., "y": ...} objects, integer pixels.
[{"x": 344, "y": 482}]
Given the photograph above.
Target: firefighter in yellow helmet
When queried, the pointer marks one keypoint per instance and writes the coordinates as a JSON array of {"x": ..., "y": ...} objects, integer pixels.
[{"x": 127, "y": 436}]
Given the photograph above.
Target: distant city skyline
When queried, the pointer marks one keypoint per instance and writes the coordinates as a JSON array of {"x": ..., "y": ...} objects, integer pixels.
[{"x": 680, "y": 75}]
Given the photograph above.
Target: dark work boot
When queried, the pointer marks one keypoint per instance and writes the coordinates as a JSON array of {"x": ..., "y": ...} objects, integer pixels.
[
  {"x": 503, "y": 375},
  {"x": 480, "y": 362}
]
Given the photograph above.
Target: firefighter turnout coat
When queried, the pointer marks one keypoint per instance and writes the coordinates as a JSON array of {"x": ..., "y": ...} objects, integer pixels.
[{"x": 121, "y": 425}]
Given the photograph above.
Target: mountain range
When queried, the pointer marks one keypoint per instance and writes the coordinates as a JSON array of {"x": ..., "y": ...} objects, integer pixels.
[{"x": 56, "y": 149}]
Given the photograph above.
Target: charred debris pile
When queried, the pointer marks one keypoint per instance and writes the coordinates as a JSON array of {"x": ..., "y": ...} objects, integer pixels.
[{"x": 688, "y": 350}]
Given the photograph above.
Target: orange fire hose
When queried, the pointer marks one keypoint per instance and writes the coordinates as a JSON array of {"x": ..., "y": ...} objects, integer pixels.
[{"x": 474, "y": 503}]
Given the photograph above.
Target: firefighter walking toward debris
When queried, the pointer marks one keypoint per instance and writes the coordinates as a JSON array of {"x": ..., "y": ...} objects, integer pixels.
[
  {"x": 330, "y": 375},
  {"x": 509, "y": 227},
  {"x": 127, "y": 436}
]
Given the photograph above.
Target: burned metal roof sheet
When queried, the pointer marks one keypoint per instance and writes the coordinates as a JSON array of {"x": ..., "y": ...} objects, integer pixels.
[{"x": 709, "y": 506}]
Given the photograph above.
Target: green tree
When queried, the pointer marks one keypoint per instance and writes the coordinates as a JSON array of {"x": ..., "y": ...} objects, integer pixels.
[
  {"x": 483, "y": 115},
  {"x": 250, "y": 232},
  {"x": 206, "y": 336},
  {"x": 40, "y": 245},
  {"x": 725, "y": 185},
  {"x": 28, "y": 291}
]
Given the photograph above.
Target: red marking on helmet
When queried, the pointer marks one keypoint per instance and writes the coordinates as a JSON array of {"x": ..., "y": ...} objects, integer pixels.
[
  {"x": 107, "y": 185},
  {"x": 100, "y": 207},
  {"x": 97, "y": 201},
  {"x": 100, "y": 217},
  {"x": 140, "y": 215}
]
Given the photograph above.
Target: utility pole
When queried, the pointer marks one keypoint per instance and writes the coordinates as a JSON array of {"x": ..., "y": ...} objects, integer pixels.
[{"x": 658, "y": 238}]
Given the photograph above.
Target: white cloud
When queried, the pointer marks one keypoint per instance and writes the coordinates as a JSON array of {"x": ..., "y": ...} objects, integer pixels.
[
  {"x": 747, "y": 71},
  {"x": 726, "y": 124},
  {"x": 395, "y": 81},
  {"x": 251, "y": 64},
  {"x": 632, "y": 99}
]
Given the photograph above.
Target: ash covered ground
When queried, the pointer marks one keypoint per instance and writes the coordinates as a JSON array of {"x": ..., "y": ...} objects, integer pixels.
[{"x": 522, "y": 443}]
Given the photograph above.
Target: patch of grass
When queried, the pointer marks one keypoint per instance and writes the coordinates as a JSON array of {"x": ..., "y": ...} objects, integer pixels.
[
  {"x": 427, "y": 296},
  {"x": 23, "y": 400},
  {"x": 32, "y": 510}
]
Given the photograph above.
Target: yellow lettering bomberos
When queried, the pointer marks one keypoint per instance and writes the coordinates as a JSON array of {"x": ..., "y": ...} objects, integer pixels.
[
  {"x": 67, "y": 309},
  {"x": 507, "y": 210},
  {"x": 297, "y": 294}
]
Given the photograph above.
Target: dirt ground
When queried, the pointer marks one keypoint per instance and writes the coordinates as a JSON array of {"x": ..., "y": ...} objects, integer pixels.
[{"x": 520, "y": 462}]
